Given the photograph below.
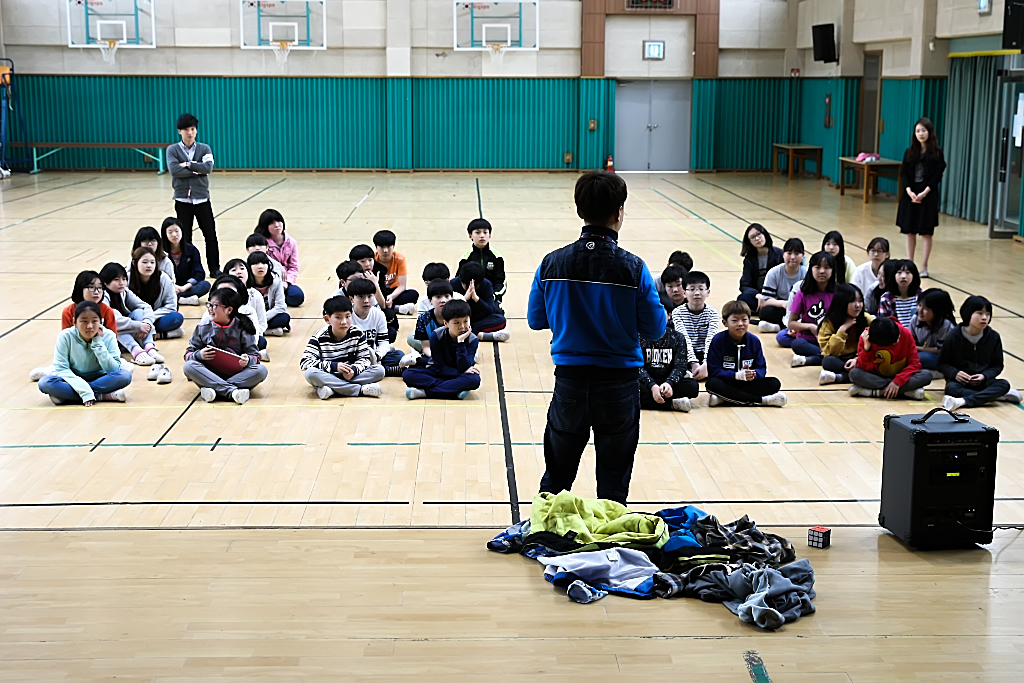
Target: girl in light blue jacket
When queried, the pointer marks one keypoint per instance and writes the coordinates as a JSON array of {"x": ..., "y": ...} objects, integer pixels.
[{"x": 86, "y": 362}]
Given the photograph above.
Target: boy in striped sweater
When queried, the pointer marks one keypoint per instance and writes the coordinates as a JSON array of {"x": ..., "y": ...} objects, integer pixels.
[
  {"x": 337, "y": 358},
  {"x": 697, "y": 321}
]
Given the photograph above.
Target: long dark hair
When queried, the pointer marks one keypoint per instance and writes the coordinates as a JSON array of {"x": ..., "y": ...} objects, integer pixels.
[
  {"x": 888, "y": 271},
  {"x": 810, "y": 285},
  {"x": 266, "y": 218},
  {"x": 261, "y": 257},
  {"x": 150, "y": 233},
  {"x": 108, "y": 274},
  {"x": 837, "y": 237},
  {"x": 893, "y": 287},
  {"x": 250, "y": 281},
  {"x": 940, "y": 304},
  {"x": 845, "y": 295},
  {"x": 147, "y": 291},
  {"x": 235, "y": 283},
  {"x": 83, "y": 280},
  {"x": 232, "y": 299},
  {"x": 749, "y": 249},
  {"x": 931, "y": 145},
  {"x": 164, "y": 242}
]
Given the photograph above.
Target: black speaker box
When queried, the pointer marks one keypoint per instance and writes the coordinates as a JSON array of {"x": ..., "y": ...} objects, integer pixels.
[
  {"x": 1013, "y": 25},
  {"x": 824, "y": 36},
  {"x": 938, "y": 480}
]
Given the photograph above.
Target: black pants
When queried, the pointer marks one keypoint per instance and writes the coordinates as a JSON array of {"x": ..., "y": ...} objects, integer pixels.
[
  {"x": 743, "y": 393},
  {"x": 978, "y": 395},
  {"x": 837, "y": 365},
  {"x": 772, "y": 314},
  {"x": 685, "y": 387},
  {"x": 612, "y": 410},
  {"x": 203, "y": 214}
]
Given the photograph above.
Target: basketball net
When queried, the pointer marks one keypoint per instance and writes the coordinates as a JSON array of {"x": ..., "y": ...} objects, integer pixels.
[
  {"x": 497, "y": 53},
  {"x": 108, "y": 48},
  {"x": 281, "y": 50}
]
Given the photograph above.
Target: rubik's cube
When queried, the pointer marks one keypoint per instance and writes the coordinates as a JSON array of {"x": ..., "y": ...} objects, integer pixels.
[{"x": 819, "y": 537}]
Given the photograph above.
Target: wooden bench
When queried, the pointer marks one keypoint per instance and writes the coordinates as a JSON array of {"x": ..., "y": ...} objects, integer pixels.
[
  {"x": 796, "y": 153},
  {"x": 55, "y": 147},
  {"x": 870, "y": 171}
]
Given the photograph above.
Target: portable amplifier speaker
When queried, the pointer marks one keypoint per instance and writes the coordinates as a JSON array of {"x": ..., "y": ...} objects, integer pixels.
[
  {"x": 1013, "y": 25},
  {"x": 824, "y": 38},
  {"x": 938, "y": 480}
]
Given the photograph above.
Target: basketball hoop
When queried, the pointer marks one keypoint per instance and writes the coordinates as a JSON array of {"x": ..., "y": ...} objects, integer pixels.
[
  {"x": 497, "y": 51},
  {"x": 108, "y": 48},
  {"x": 281, "y": 50}
]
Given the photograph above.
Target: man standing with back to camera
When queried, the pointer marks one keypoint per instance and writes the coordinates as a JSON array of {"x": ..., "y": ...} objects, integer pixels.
[{"x": 596, "y": 298}]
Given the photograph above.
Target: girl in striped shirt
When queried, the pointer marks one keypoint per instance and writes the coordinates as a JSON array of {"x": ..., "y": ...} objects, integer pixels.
[{"x": 900, "y": 299}]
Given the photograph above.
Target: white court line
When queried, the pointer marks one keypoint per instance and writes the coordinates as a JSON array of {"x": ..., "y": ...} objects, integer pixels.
[{"x": 358, "y": 204}]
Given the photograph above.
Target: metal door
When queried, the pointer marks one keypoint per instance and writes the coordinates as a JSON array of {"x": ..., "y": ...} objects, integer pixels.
[
  {"x": 632, "y": 118},
  {"x": 1004, "y": 220},
  {"x": 652, "y": 125}
]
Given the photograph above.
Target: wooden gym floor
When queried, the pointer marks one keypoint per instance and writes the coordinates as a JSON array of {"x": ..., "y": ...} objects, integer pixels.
[{"x": 167, "y": 539}]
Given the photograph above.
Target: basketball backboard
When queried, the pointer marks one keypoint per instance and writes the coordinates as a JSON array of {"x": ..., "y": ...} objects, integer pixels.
[
  {"x": 110, "y": 25},
  {"x": 508, "y": 25},
  {"x": 268, "y": 24}
]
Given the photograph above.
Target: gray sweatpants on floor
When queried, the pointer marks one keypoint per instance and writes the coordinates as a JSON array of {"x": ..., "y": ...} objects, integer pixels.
[
  {"x": 247, "y": 378},
  {"x": 870, "y": 380},
  {"x": 342, "y": 386}
]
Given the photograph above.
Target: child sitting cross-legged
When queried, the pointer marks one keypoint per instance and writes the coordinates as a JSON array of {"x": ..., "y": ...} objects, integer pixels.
[
  {"x": 369, "y": 321},
  {"x": 481, "y": 252},
  {"x": 887, "y": 363},
  {"x": 737, "y": 371},
  {"x": 230, "y": 331},
  {"x": 450, "y": 371},
  {"x": 674, "y": 295},
  {"x": 932, "y": 324},
  {"x": 697, "y": 321},
  {"x": 773, "y": 300},
  {"x": 337, "y": 359},
  {"x": 807, "y": 312},
  {"x": 972, "y": 358},
  {"x": 488, "y": 320},
  {"x": 439, "y": 293},
  {"x": 839, "y": 332},
  {"x": 665, "y": 381}
]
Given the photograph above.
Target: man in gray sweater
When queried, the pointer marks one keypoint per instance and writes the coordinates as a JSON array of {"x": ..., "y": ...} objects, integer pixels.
[{"x": 190, "y": 163}]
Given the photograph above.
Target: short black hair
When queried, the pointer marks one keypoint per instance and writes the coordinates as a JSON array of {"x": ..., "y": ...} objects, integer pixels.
[
  {"x": 681, "y": 258},
  {"x": 884, "y": 331},
  {"x": 436, "y": 271},
  {"x": 470, "y": 270},
  {"x": 337, "y": 304},
  {"x": 360, "y": 287},
  {"x": 456, "y": 308},
  {"x": 696, "y": 277},
  {"x": 439, "y": 288},
  {"x": 187, "y": 121},
  {"x": 359, "y": 252},
  {"x": 255, "y": 240},
  {"x": 478, "y": 224},
  {"x": 972, "y": 305},
  {"x": 384, "y": 238},
  {"x": 672, "y": 274},
  {"x": 879, "y": 243},
  {"x": 599, "y": 196},
  {"x": 347, "y": 269},
  {"x": 794, "y": 245}
]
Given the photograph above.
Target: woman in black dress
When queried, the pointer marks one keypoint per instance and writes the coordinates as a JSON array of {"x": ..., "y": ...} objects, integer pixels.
[{"x": 921, "y": 172}]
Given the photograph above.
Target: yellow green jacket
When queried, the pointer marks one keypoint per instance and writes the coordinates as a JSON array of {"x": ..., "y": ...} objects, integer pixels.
[{"x": 596, "y": 521}]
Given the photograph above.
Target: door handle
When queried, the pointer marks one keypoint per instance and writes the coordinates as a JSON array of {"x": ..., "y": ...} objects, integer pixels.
[
  {"x": 1004, "y": 142},
  {"x": 655, "y": 125},
  {"x": 649, "y": 126}
]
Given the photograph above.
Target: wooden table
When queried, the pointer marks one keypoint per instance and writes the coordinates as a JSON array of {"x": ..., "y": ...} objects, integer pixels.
[
  {"x": 870, "y": 170},
  {"x": 795, "y": 153}
]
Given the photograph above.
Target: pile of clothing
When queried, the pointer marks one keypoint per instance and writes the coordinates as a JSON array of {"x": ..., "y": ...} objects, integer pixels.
[{"x": 593, "y": 548}]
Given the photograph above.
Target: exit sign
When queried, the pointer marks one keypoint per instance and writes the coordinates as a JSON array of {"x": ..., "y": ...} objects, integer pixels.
[{"x": 654, "y": 49}]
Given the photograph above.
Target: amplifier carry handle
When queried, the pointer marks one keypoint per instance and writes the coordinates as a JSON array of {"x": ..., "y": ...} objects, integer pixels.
[{"x": 957, "y": 417}]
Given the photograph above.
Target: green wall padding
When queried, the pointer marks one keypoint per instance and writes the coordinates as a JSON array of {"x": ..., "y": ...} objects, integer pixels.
[
  {"x": 841, "y": 138},
  {"x": 358, "y": 123},
  {"x": 702, "y": 124},
  {"x": 904, "y": 101}
]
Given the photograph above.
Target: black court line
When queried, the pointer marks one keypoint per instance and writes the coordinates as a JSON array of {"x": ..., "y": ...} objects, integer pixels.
[
  {"x": 61, "y": 187},
  {"x": 129, "y": 503},
  {"x": 69, "y": 206},
  {"x": 506, "y": 433},
  {"x": 26, "y": 322},
  {"x": 234, "y": 206},
  {"x": 97, "y": 444},
  {"x": 479, "y": 201},
  {"x": 164, "y": 435},
  {"x": 215, "y": 443}
]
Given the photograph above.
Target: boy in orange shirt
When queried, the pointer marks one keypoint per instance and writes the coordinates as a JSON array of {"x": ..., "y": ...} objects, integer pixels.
[{"x": 391, "y": 270}]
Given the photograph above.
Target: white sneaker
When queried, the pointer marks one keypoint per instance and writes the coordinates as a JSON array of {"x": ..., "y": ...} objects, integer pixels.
[
  {"x": 144, "y": 359},
  {"x": 324, "y": 393},
  {"x": 683, "y": 404},
  {"x": 165, "y": 376},
  {"x": 413, "y": 394},
  {"x": 240, "y": 396},
  {"x": 916, "y": 394},
  {"x": 371, "y": 390},
  {"x": 856, "y": 390},
  {"x": 797, "y": 361},
  {"x": 476, "y": 358},
  {"x": 155, "y": 355},
  {"x": 501, "y": 336},
  {"x": 37, "y": 374},
  {"x": 154, "y": 371},
  {"x": 188, "y": 300},
  {"x": 175, "y": 334},
  {"x": 765, "y": 326},
  {"x": 407, "y": 309},
  {"x": 777, "y": 399},
  {"x": 264, "y": 355},
  {"x": 274, "y": 332},
  {"x": 114, "y": 396},
  {"x": 714, "y": 400},
  {"x": 953, "y": 403},
  {"x": 208, "y": 394},
  {"x": 924, "y": 273},
  {"x": 1011, "y": 396},
  {"x": 408, "y": 360},
  {"x": 826, "y": 377}
]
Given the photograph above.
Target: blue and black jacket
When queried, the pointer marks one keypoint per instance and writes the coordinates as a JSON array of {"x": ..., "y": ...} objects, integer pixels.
[{"x": 598, "y": 300}]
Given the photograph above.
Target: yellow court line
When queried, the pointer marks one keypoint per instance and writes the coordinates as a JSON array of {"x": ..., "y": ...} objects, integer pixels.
[{"x": 730, "y": 259}]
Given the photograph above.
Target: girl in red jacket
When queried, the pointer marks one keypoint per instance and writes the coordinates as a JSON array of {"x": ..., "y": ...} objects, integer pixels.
[{"x": 887, "y": 363}]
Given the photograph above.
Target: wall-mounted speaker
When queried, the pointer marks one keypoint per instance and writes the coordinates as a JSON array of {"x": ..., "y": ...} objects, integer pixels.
[
  {"x": 824, "y": 36},
  {"x": 1013, "y": 25}
]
